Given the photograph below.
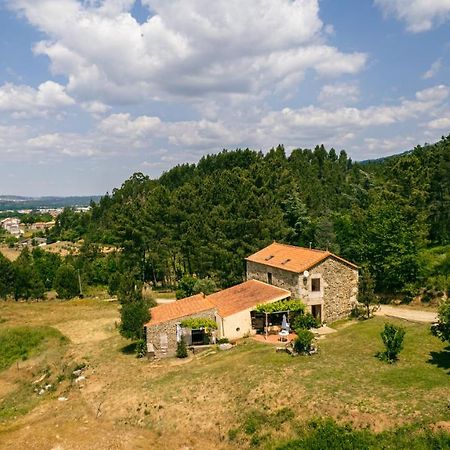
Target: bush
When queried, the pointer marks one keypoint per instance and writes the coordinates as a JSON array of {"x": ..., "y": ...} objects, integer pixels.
[
  {"x": 223, "y": 341},
  {"x": 141, "y": 348},
  {"x": 305, "y": 321},
  {"x": 442, "y": 328},
  {"x": 302, "y": 343},
  {"x": 392, "y": 337},
  {"x": 181, "y": 348}
]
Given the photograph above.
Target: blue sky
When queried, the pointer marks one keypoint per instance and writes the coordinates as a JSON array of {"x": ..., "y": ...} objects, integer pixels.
[{"x": 92, "y": 91}]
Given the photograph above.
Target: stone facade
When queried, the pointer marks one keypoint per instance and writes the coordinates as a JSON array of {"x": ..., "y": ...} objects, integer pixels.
[
  {"x": 280, "y": 278},
  {"x": 339, "y": 289},
  {"x": 169, "y": 328},
  {"x": 338, "y": 286}
]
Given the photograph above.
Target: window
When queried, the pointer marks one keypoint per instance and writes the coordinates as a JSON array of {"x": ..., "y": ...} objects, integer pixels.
[
  {"x": 269, "y": 277},
  {"x": 315, "y": 284}
]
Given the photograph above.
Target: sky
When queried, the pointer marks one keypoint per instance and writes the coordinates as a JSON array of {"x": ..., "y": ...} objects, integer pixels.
[{"x": 92, "y": 91}]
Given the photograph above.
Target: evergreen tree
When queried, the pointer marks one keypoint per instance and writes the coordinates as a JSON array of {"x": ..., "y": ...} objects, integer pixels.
[{"x": 66, "y": 281}]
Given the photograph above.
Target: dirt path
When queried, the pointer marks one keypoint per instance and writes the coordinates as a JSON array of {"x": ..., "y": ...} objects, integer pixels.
[{"x": 407, "y": 314}]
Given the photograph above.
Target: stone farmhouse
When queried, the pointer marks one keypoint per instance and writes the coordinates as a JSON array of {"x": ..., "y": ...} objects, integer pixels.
[{"x": 326, "y": 283}]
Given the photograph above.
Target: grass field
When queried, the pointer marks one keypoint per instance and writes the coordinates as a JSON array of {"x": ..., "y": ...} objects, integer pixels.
[{"x": 248, "y": 396}]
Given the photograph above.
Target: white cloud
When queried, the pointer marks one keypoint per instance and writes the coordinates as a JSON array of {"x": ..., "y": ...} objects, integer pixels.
[
  {"x": 187, "y": 48},
  {"x": 433, "y": 70},
  {"x": 377, "y": 147},
  {"x": 95, "y": 108},
  {"x": 419, "y": 15},
  {"x": 121, "y": 125},
  {"x": 25, "y": 101},
  {"x": 442, "y": 123},
  {"x": 313, "y": 122},
  {"x": 339, "y": 94}
]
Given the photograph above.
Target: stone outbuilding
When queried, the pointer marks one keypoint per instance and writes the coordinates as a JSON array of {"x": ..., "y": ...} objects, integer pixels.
[
  {"x": 164, "y": 330},
  {"x": 326, "y": 283}
]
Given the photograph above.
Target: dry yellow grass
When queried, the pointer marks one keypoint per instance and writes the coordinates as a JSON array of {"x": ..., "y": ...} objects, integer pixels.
[{"x": 11, "y": 253}]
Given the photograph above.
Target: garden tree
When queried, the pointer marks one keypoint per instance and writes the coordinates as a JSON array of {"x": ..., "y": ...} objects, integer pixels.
[
  {"x": 392, "y": 337},
  {"x": 6, "y": 277},
  {"x": 134, "y": 311},
  {"x": 186, "y": 287},
  {"x": 442, "y": 328},
  {"x": 66, "y": 282},
  {"x": 27, "y": 282},
  {"x": 205, "y": 285},
  {"x": 366, "y": 295}
]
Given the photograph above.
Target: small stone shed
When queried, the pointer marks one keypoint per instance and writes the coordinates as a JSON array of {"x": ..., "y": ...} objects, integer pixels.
[
  {"x": 327, "y": 283},
  {"x": 162, "y": 330}
]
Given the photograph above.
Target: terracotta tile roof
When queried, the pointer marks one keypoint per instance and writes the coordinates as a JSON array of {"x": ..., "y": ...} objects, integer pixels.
[
  {"x": 181, "y": 308},
  {"x": 292, "y": 258},
  {"x": 244, "y": 296}
]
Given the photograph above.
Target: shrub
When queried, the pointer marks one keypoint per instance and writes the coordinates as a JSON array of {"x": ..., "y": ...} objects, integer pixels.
[
  {"x": 181, "y": 349},
  {"x": 302, "y": 343},
  {"x": 305, "y": 321},
  {"x": 392, "y": 337},
  {"x": 141, "y": 348},
  {"x": 223, "y": 341},
  {"x": 442, "y": 328}
]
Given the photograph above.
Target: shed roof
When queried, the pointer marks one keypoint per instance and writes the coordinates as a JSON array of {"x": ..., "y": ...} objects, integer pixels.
[
  {"x": 292, "y": 258},
  {"x": 181, "y": 308},
  {"x": 244, "y": 296}
]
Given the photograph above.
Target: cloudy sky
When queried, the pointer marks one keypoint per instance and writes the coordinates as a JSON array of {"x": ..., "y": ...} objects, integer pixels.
[{"x": 94, "y": 90}]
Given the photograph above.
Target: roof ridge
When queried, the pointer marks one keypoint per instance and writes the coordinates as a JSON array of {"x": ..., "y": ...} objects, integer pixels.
[{"x": 303, "y": 248}]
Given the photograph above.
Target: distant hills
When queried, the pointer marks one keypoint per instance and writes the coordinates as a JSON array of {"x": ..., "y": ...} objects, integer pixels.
[{"x": 15, "y": 202}]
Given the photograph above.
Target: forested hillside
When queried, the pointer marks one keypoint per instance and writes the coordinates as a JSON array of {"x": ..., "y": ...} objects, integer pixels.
[{"x": 204, "y": 219}]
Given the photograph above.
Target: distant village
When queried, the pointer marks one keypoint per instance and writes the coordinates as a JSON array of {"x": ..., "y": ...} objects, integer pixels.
[{"x": 35, "y": 230}]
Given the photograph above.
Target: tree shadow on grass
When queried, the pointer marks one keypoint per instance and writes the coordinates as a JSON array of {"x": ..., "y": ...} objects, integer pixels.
[
  {"x": 129, "y": 349},
  {"x": 441, "y": 359}
]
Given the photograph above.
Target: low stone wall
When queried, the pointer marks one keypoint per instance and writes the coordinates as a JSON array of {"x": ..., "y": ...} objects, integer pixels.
[{"x": 154, "y": 332}]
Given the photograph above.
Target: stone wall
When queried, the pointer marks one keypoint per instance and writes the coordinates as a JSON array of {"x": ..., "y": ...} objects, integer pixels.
[
  {"x": 153, "y": 332},
  {"x": 339, "y": 289},
  {"x": 280, "y": 278}
]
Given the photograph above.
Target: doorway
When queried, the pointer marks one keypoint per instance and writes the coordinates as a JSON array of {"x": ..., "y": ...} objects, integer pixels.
[{"x": 316, "y": 311}]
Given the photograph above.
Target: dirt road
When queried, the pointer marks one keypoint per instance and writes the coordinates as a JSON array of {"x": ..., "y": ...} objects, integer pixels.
[{"x": 407, "y": 314}]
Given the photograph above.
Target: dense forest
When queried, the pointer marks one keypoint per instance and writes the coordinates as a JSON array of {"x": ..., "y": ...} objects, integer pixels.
[{"x": 390, "y": 216}]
